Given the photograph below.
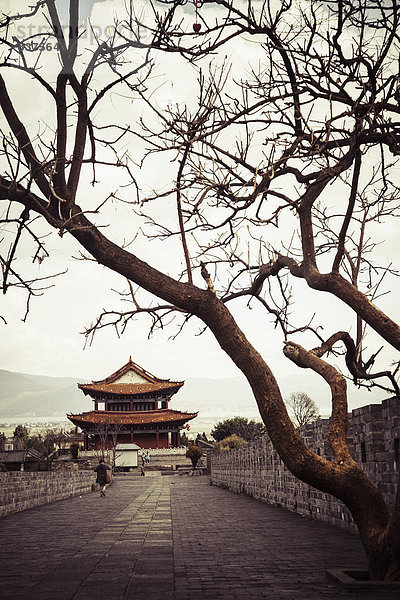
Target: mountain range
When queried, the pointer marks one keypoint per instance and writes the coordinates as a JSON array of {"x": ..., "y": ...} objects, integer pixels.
[{"x": 24, "y": 396}]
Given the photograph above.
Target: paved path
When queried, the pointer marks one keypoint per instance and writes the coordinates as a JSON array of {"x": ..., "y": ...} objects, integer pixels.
[{"x": 171, "y": 538}]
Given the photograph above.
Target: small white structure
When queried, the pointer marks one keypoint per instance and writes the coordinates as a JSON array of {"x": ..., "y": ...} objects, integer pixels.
[{"x": 126, "y": 455}]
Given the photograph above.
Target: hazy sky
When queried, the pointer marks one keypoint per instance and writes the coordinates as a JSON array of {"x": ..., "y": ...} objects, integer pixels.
[{"x": 49, "y": 343}]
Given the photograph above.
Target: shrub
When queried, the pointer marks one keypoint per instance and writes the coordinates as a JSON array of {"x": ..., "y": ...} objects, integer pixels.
[
  {"x": 194, "y": 453},
  {"x": 240, "y": 426},
  {"x": 229, "y": 443}
]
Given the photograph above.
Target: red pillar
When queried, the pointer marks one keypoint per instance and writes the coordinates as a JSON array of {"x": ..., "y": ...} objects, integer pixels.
[
  {"x": 131, "y": 408},
  {"x": 96, "y": 406},
  {"x": 85, "y": 444},
  {"x": 179, "y": 439},
  {"x": 157, "y": 439},
  {"x": 106, "y": 444},
  {"x": 132, "y": 437}
]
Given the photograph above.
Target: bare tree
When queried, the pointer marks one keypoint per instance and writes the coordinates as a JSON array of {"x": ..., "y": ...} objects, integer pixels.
[
  {"x": 302, "y": 407},
  {"x": 282, "y": 174},
  {"x": 107, "y": 434}
]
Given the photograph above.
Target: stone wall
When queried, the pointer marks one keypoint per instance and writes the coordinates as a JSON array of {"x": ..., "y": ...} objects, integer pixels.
[
  {"x": 256, "y": 470},
  {"x": 22, "y": 490}
]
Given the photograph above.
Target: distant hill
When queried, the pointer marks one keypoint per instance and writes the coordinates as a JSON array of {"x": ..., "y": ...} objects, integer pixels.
[
  {"x": 23, "y": 396},
  {"x": 219, "y": 399}
]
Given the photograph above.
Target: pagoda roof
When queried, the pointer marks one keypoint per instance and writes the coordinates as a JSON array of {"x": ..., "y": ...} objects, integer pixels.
[
  {"x": 132, "y": 366},
  {"x": 145, "y": 417},
  {"x": 140, "y": 382},
  {"x": 128, "y": 389}
]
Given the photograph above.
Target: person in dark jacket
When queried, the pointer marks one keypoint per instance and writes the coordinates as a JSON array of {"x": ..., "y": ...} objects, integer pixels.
[{"x": 101, "y": 478}]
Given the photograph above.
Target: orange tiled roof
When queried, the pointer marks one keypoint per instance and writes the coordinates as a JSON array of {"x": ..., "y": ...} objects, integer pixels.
[
  {"x": 129, "y": 389},
  {"x": 145, "y": 417}
]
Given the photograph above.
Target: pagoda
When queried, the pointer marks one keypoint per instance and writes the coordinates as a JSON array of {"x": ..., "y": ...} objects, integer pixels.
[{"x": 131, "y": 407}]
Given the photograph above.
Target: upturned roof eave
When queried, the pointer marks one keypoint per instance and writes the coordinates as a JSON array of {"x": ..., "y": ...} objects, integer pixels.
[
  {"x": 91, "y": 390},
  {"x": 132, "y": 418}
]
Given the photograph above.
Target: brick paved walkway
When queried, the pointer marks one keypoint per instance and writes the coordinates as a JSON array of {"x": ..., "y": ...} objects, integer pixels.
[{"x": 171, "y": 538}]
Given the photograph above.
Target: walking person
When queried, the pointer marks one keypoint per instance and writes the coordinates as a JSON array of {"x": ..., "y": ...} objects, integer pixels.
[
  {"x": 102, "y": 476},
  {"x": 147, "y": 457}
]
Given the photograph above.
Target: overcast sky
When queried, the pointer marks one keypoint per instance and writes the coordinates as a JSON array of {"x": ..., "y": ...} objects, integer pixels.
[{"x": 50, "y": 343}]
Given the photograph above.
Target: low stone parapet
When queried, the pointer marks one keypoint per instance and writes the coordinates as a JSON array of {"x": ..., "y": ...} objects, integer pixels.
[{"x": 22, "y": 490}]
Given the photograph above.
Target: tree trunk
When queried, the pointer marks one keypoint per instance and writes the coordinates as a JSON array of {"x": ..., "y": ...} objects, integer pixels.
[{"x": 343, "y": 478}]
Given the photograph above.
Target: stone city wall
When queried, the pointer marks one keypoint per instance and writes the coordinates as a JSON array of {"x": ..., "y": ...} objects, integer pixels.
[
  {"x": 256, "y": 470},
  {"x": 22, "y": 490}
]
